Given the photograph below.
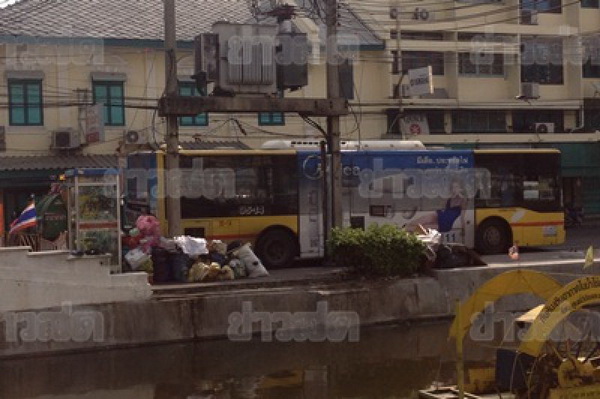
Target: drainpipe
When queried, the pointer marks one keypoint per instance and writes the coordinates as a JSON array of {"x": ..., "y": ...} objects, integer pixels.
[{"x": 581, "y": 120}]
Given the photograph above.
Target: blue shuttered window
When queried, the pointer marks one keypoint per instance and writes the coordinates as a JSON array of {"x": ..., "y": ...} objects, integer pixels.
[
  {"x": 271, "y": 119},
  {"x": 25, "y": 102},
  {"x": 111, "y": 94},
  {"x": 189, "y": 89}
]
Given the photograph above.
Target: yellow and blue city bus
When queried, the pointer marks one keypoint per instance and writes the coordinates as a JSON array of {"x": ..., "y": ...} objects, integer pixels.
[{"x": 486, "y": 199}]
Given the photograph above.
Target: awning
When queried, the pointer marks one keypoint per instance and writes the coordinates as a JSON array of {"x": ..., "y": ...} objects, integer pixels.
[
  {"x": 56, "y": 162},
  {"x": 39, "y": 171}
]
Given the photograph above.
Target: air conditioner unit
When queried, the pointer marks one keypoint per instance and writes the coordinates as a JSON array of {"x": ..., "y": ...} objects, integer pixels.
[
  {"x": 135, "y": 137},
  {"x": 545, "y": 127},
  {"x": 530, "y": 90},
  {"x": 422, "y": 14},
  {"x": 529, "y": 17},
  {"x": 65, "y": 139}
]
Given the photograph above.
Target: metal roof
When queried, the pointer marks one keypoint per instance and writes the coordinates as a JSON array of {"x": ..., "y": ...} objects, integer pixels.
[
  {"x": 143, "y": 20},
  {"x": 214, "y": 145},
  {"x": 56, "y": 162},
  {"x": 116, "y": 19}
]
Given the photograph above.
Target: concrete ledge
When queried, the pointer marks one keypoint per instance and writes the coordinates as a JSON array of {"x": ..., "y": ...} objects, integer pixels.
[
  {"x": 4, "y": 250},
  {"x": 52, "y": 278},
  {"x": 45, "y": 254},
  {"x": 205, "y": 314}
]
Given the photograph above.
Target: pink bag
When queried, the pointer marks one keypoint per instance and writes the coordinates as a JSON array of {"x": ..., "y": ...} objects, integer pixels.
[{"x": 149, "y": 228}]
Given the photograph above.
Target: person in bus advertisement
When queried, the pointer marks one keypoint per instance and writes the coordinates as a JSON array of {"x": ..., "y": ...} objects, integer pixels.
[{"x": 444, "y": 219}]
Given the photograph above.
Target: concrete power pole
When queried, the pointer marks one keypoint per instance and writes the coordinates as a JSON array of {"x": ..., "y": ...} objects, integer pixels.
[
  {"x": 333, "y": 122},
  {"x": 400, "y": 69},
  {"x": 172, "y": 184}
]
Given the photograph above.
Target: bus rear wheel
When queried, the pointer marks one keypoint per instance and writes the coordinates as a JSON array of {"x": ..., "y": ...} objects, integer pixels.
[
  {"x": 277, "y": 248},
  {"x": 493, "y": 237}
]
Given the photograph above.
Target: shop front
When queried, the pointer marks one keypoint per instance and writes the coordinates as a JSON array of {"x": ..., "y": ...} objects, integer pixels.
[{"x": 23, "y": 178}]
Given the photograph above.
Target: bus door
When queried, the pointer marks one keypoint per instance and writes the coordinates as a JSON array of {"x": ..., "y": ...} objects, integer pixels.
[
  {"x": 310, "y": 212},
  {"x": 355, "y": 209}
]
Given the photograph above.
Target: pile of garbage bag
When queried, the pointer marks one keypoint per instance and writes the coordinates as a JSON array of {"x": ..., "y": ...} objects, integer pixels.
[
  {"x": 187, "y": 259},
  {"x": 440, "y": 255}
]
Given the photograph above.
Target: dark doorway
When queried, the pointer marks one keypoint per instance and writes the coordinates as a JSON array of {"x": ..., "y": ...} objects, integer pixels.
[{"x": 573, "y": 192}]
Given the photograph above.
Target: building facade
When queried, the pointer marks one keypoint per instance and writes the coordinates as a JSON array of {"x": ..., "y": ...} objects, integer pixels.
[{"x": 505, "y": 73}]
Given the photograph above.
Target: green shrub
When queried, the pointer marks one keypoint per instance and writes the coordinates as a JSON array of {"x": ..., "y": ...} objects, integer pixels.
[
  {"x": 346, "y": 246},
  {"x": 382, "y": 250}
]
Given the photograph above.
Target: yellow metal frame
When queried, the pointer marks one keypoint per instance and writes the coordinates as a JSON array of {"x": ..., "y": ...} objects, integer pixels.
[
  {"x": 519, "y": 281},
  {"x": 573, "y": 296},
  {"x": 587, "y": 392}
]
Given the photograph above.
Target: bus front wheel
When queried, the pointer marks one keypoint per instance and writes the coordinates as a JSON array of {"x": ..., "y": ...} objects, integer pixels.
[
  {"x": 277, "y": 248},
  {"x": 493, "y": 237}
]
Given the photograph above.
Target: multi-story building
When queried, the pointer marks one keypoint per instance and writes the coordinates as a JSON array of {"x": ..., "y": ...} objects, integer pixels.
[{"x": 505, "y": 73}]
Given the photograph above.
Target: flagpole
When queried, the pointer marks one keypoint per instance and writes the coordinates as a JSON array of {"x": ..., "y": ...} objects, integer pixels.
[{"x": 460, "y": 368}]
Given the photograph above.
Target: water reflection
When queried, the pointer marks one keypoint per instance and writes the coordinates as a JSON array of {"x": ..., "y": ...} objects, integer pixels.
[{"x": 388, "y": 362}]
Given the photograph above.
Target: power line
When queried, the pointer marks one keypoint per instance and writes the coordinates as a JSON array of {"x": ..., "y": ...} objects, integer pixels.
[{"x": 489, "y": 13}]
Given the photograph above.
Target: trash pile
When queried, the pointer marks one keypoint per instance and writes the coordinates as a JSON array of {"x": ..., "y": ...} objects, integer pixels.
[
  {"x": 441, "y": 255},
  {"x": 187, "y": 259}
]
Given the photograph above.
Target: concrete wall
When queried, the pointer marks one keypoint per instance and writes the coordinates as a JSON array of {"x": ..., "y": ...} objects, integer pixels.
[
  {"x": 50, "y": 279},
  {"x": 207, "y": 315}
]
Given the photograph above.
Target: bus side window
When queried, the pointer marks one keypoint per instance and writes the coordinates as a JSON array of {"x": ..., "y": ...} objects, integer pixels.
[{"x": 508, "y": 190}]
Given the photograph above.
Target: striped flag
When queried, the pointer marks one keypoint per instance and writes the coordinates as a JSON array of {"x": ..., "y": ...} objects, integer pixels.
[
  {"x": 589, "y": 257},
  {"x": 27, "y": 219}
]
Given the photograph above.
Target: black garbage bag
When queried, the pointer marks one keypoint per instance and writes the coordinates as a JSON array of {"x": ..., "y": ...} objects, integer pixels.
[
  {"x": 444, "y": 259},
  {"x": 180, "y": 266},
  {"x": 160, "y": 260},
  {"x": 452, "y": 256}
]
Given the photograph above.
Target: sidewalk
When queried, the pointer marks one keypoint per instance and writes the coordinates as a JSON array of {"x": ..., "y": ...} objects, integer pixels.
[
  {"x": 557, "y": 256},
  {"x": 581, "y": 237},
  {"x": 570, "y": 255}
]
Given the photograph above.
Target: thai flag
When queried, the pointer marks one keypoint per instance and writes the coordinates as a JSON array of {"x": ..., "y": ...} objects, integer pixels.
[{"x": 27, "y": 219}]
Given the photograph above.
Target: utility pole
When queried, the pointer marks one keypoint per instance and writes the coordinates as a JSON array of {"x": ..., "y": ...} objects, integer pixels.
[
  {"x": 333, "y": 122},
  {"x": 400, "y": 69},
  {"x": 172, "y": 184}
]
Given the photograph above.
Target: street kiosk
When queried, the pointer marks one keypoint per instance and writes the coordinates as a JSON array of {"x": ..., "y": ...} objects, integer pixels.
[{"x": 94, "y": 213}]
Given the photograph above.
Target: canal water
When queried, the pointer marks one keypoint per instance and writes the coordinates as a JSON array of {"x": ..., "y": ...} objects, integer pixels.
[{"x": 387, "y": 362}]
